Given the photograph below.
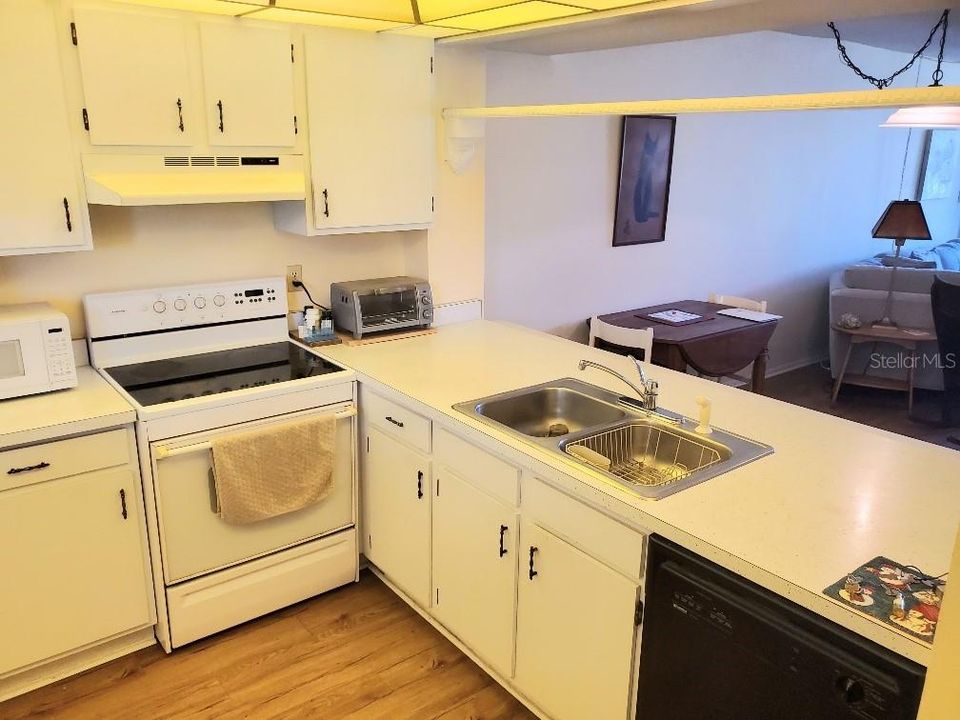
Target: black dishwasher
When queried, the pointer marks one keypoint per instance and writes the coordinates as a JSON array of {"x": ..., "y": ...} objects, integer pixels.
[{"x": 718, "y": 647}]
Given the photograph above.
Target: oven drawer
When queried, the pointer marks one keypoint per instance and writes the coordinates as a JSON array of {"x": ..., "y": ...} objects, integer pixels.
[
  {"x": 396, "y": 420},
  {"x": 195, "y": 540}
]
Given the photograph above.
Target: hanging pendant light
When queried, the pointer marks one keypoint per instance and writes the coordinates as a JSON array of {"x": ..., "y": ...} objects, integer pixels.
[{"x": 936, "y": 117}]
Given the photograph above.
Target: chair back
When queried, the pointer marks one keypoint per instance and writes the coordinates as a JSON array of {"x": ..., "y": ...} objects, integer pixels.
[
  {"x": 945, "y": 302},
  {"x": 629, "y": 338},
  {"x": 739, "y": 302}
]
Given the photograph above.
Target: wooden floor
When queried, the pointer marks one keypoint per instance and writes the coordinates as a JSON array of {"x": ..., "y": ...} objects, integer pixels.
[{"x": 358, "y": 652}]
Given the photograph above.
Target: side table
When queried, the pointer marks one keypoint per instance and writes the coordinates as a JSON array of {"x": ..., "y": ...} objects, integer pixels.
[{"x": 908, "y": 338}]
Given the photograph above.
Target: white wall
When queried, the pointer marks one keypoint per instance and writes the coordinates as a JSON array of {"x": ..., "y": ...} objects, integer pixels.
[{"x": 761, "y": 205}]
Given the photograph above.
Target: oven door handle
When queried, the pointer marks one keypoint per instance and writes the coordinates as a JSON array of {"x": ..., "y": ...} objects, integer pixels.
[{"x": 160, "y": 452}]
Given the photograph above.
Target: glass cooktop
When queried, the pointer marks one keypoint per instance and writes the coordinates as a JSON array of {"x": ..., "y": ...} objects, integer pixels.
[{"x": 163, "y": 381}]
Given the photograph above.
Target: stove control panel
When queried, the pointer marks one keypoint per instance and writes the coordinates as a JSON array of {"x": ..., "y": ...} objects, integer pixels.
[{"x": 111, "y": 315}]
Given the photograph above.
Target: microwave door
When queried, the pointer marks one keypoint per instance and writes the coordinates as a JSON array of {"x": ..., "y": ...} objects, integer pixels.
[{"x": 23, "y": 364}]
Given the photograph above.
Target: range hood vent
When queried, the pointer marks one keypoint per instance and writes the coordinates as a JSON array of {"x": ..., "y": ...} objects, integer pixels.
[{"x": 132, "y": 180}]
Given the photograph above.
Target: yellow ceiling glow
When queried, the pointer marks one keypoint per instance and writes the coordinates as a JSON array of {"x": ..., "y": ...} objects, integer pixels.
[
  {"x": 427, "y": 31},
  {"x": 511, "y": 15},
  {"x": 611, "y": 4},
  {"x": 325, "y": 19},
  {"x": 213, "y": 7},
  {"x": 400, "y": 11},
  {"x": 432, "y": 10}
]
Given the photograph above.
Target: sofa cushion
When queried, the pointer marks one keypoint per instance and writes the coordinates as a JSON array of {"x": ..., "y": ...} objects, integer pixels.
[{"x": 873, "y": 277}]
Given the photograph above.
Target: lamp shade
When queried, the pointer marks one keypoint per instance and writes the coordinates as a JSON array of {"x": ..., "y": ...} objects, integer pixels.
[
  {"x": 902, "y": 220},
  {"x": 925, "y": 117}
]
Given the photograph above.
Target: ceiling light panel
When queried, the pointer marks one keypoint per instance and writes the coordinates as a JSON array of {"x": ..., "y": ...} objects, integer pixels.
[
  {"x": 431, "y": 10},
  {"x": 214, "y": 7},
  {"x": 324, "y": 19},
  {"x": 428, "y": 31},
  {"x": 400, "y": 11},
  {"x": 518, "y": 14}
]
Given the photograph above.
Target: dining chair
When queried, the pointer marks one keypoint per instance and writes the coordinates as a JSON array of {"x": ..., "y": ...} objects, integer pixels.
[
  {"x": 739, "y": 302},
  {"x": 630, "y": 338}
]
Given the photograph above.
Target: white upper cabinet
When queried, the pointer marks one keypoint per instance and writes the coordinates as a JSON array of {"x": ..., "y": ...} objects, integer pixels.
[
  {"x": 248, "y": 85},
  {"x": 136, "y": 78},
  {"x": 371, "y": 133},
  {"x": 42, "y": 206}
]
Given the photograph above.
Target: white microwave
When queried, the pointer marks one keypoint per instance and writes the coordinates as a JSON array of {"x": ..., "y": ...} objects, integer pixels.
[{"x": 36, "y": 354}]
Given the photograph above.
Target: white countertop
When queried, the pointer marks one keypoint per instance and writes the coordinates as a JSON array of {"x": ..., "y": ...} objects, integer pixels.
[
  {"x": 834, "y": 495},
  {"x": 92, "y": 405}
]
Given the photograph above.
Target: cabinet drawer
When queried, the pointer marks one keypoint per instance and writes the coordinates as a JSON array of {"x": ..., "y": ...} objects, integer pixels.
[
  {"x": 609, "y": 541},
  {"x": 396, "y": 420},
  {"x": 62, "y": 458},
  {"x": 488, "y": 472}
]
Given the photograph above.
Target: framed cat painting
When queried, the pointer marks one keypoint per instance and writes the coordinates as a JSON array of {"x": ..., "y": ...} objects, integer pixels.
[{"x": 646, "y": 157}]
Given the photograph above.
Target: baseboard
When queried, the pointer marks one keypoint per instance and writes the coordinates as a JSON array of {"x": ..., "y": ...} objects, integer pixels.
[
  {"x": 795, "y": 365},
  {"x": 65, "y": 666}
]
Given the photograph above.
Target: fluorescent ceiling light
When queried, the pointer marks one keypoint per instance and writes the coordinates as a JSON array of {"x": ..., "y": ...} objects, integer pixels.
[
  {"x": 324, "y": 19},
  {"x": 427, "y": 31},
  {"x": 947, "y": 116},
  {"x": 511, "y": 15},
  {"x": 393, "y": 10},
  {"x": 213, "y": 7}
]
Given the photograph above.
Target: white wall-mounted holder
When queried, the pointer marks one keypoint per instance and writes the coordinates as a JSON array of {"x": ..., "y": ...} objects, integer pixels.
[{"x": 463, "y": 137}]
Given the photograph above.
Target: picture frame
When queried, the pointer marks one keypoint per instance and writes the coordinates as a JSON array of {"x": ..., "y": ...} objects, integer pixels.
[
  {"x": 643, "y": 193},
  {"x": 941, "y": 160}
]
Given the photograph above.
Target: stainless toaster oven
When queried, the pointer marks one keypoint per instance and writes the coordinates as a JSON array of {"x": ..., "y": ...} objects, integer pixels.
[{"x": 369, "y": 306}]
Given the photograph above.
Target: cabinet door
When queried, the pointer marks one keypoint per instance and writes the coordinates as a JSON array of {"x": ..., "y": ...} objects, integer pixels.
[
  {"x": 248, "y": 85},
  {"x": 575, "y": 631},
  {"x": 396, "y": 513},
  {"x": 475, "y": 568},
  {"x": 73, "y": 566},
  {"x": 372, "y": 144},
  {"x": 42, "y": 207},
  {"x": 135, "y": 72}
]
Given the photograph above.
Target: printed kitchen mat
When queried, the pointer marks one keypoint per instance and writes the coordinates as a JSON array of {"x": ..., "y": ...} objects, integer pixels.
[{"x": 899, "y": 595}]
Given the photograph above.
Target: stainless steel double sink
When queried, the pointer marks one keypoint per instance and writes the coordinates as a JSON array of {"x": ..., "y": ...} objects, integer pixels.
[{"x": 654, "y": 454}]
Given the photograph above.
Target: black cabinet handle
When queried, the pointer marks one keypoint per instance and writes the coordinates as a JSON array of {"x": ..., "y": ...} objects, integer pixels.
[
  {"x": 28, "y": 468},
  {"x": 66, "y": 214},
  {"x": 398, "y": 423},
  {"x": 123, "y": 503},
  {"x": 180, "y": 113},
  {"x": 503, "y": 550},
  {"x": 420, "y": 484},
  {"x": 326, "y": 206},
  {"x": 533, "y": 551},
  {"x": 220, "y": 110}
]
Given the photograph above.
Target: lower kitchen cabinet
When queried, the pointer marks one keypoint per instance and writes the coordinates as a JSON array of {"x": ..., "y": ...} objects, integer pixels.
[
  {"x": 73, "y": 564},
  {"x": 395, "y": 497},
  {"x": 475, "y": 568},
  {"x": 576, "y": 630}
]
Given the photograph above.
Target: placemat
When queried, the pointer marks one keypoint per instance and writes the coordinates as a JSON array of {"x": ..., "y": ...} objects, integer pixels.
[
  {"x": 672, "y": 323},
  {"x": 897, "y": 594}
]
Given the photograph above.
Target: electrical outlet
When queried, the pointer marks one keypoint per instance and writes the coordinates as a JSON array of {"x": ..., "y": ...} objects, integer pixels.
[{"x": 294, "y": 272}]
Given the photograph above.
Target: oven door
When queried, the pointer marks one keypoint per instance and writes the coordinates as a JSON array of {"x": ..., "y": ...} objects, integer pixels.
[{"x": 193, "y": 538}]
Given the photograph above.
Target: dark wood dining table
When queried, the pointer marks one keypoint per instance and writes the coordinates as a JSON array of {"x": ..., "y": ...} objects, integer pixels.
[{"x": 716, "y": 346}]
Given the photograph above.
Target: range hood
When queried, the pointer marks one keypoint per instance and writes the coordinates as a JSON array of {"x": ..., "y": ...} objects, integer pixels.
[{"x": 131, "y": 180}]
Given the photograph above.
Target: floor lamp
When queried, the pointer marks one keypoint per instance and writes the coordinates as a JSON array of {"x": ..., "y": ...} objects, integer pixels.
[{"x": 902, "y": 220}]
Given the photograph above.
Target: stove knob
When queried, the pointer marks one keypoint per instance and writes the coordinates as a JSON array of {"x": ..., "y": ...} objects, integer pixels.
[
  {"x": 180, "y": 304},
  {"x": 428, "y": 314},
  {"x": 159, "y": 306},
  {"x": 219, "y": 300},
  {"x": 425, "y": 300},
  {"x": 200, "y": 303}
]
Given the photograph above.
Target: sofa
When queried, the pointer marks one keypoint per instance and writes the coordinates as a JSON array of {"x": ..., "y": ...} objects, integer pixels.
[{"x": 861, "y": 289}]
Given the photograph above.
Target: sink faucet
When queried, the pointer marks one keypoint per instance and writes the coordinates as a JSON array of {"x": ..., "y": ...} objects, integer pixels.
[{"x": 647, "y": 394}]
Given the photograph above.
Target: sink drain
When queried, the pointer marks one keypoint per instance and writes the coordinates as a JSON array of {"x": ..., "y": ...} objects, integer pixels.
[{"x": 557, "y": 429}]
